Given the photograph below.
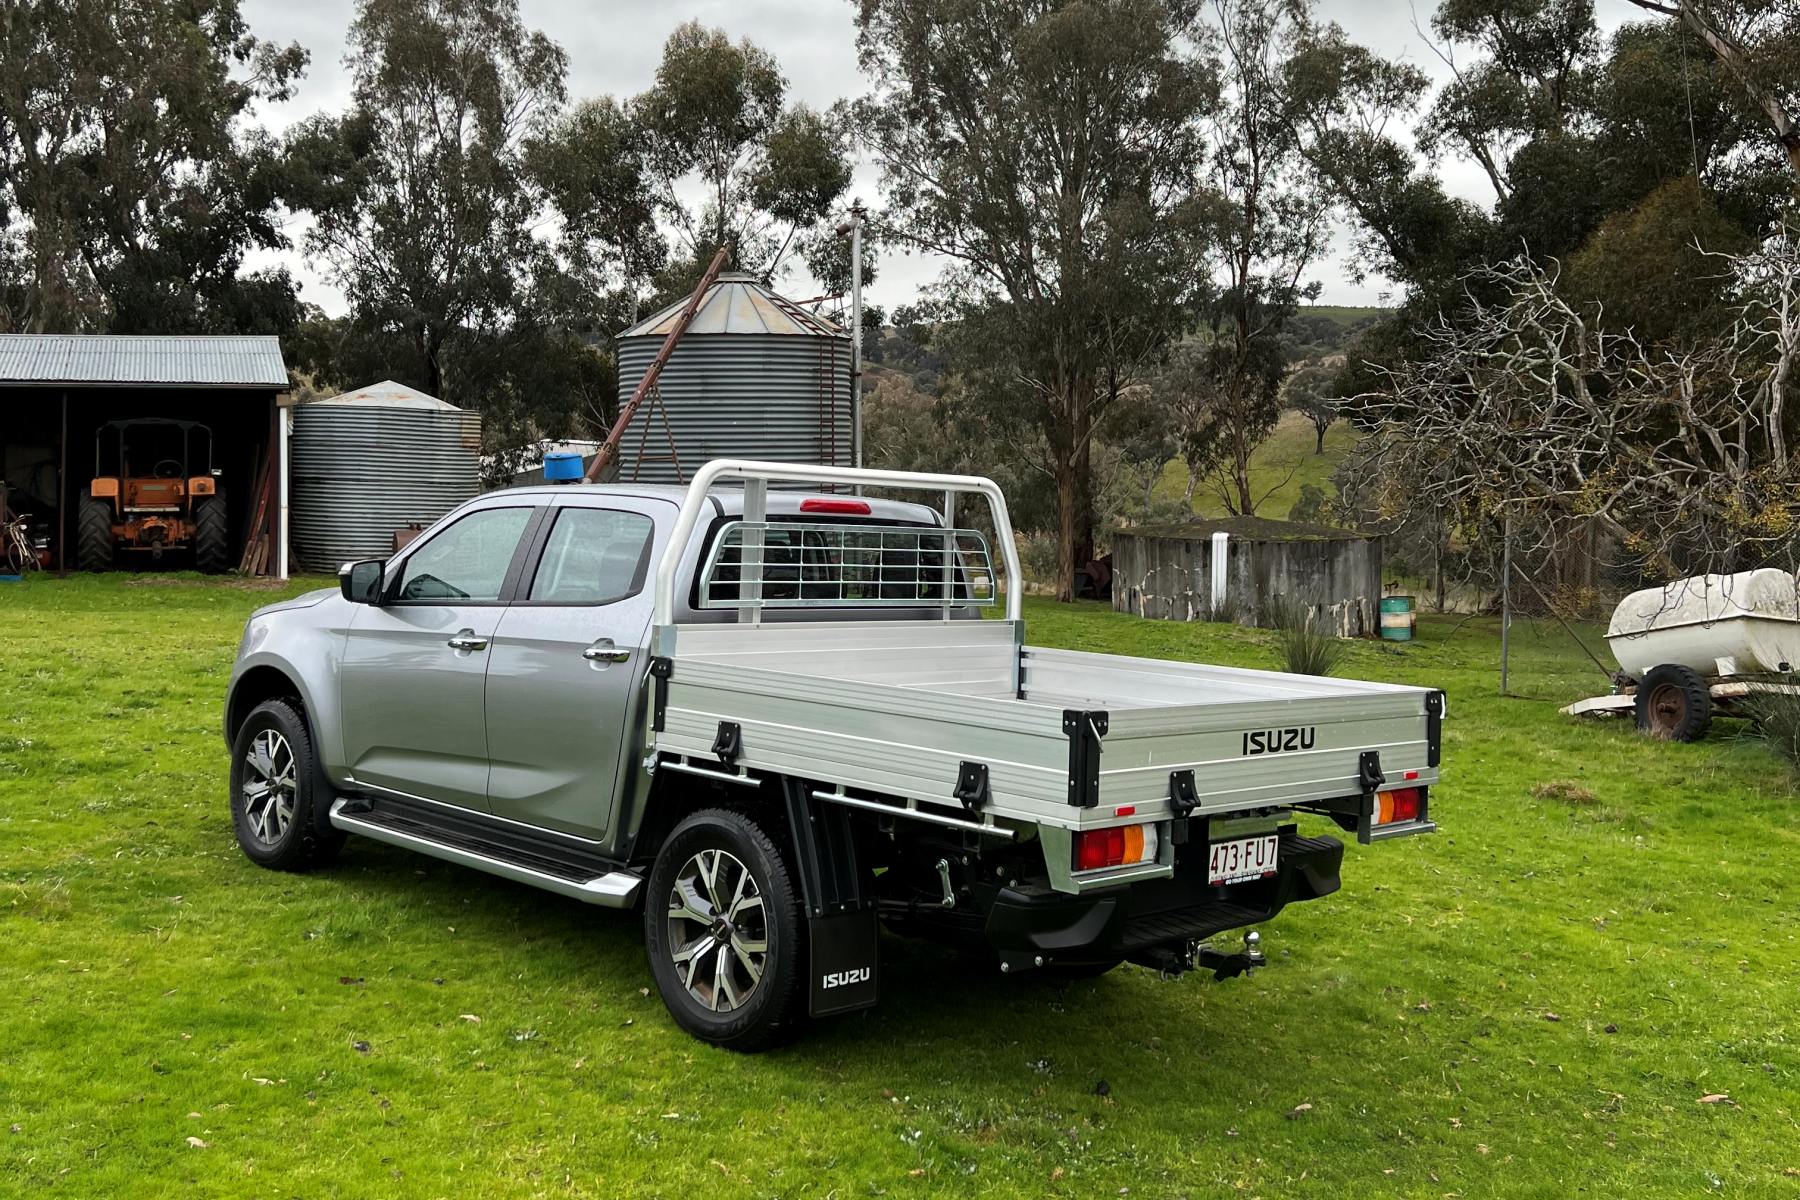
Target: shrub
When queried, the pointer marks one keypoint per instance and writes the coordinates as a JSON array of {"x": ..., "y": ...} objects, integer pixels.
[
  {"x": 1306, "y": 647},
  {"x": 1777, "y": 717}
]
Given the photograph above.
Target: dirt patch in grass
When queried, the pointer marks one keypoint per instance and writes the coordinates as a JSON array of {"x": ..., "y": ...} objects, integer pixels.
[
  {"x": 1569, "y": 793},
  {"x": 244, "y": 583}
]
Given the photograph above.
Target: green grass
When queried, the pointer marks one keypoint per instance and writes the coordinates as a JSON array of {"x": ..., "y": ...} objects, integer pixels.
[
  {"x": 1531, "y": 1002},
  {"x": 1279, "y": 468}
]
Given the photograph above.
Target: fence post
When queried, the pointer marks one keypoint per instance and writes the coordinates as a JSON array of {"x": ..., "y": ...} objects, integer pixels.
[{"x": 1505, "y": 597}]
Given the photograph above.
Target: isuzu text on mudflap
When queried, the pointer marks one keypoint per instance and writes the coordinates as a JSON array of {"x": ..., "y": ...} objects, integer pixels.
[{"x": 772, "y": 720}]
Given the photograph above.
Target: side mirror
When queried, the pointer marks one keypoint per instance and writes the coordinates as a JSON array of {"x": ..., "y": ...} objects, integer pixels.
[{"x": 360, "y": 582}]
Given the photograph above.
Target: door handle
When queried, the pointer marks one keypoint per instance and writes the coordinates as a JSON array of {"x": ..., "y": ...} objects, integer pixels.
[
  {"x": 465, "y": 639},
  {"x": 606, "y": 651}
]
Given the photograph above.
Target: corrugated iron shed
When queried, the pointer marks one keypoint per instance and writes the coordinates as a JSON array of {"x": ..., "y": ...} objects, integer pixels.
[
  {"x": 66, "y": 359},
  {"x": 739, "y": 303}
]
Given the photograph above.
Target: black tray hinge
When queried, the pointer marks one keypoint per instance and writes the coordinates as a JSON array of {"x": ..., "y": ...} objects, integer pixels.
[
  {"x": 1434, "y": 728},
  {"x": 728, "y": 744},
  {"x": 1368, "y": 772},
  {"x": 660, "y": 670},
  {"x": 1183, "y": 796},
  {"x": 1085, "y": 729},
  {"x": 972, "y": 785}
]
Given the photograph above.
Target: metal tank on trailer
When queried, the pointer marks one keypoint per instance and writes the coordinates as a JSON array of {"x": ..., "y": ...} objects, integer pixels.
[
  {"x": 371, "y": 464},
  {"x": 755, "y": 376}
]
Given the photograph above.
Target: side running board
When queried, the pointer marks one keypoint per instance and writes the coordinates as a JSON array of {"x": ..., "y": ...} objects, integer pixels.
[{"x": 566, "y": 873}]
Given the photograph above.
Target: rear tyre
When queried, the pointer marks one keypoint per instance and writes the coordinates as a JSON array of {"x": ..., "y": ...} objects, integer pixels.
[
  {"x": 209, "y": 534},
  {"x": 724, "y": 934},
  {"x": 280, "y": 809},
  {"x": 94, "y": 534},
  {"x": 1673, "y": 704}
]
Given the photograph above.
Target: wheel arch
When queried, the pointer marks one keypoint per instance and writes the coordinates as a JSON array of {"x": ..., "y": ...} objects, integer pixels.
[{"x": 265, "y": 681}]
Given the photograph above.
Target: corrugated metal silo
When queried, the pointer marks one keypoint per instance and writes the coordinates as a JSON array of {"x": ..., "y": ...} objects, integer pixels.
[
  {"x": 754, "y": 376},
  {"x": 370, "y": 462}
]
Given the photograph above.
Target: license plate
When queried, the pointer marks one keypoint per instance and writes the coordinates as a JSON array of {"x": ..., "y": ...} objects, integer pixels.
[{"x": 1242, "y": 859}]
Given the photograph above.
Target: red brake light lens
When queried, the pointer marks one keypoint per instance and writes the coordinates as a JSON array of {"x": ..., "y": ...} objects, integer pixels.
[
  {"x": 859, "y": 508},
  {"x": 1096, "y": 848}
]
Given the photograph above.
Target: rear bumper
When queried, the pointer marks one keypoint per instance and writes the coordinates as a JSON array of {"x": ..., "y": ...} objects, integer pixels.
[{"x": 1026, "y": 924}]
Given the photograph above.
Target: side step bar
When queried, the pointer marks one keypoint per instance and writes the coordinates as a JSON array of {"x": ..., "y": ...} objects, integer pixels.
[{"x": 612, "y": 889}]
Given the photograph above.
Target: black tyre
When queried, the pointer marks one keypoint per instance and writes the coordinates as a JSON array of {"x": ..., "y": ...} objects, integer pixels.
[
  {"x": 1673, "y": 704},
  {"x": 94, "y": 534},
  {"x": 724, "y": 932},
  {"x": 280, "y": 807},
  {"x": 210, "y": 551}
]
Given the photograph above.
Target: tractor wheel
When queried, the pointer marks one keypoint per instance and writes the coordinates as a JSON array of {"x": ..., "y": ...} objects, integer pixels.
[
  {"x": 1673, "y": 704},
  {"x": 94, "y": 534},
  {"x": 209, "y": 534}
]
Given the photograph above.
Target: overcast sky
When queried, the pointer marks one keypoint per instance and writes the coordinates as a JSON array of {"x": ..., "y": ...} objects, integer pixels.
[{"x": 614, "y": 46}]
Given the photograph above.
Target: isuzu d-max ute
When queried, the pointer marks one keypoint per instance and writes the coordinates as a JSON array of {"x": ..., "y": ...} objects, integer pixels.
[{"x": 773, "y": 720}]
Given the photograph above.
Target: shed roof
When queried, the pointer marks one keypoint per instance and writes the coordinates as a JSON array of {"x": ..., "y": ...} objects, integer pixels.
[
  {"x": 738, "y": 302},
  {"x": 386, "y": 394},
  {"x": 43, "y": 359}
]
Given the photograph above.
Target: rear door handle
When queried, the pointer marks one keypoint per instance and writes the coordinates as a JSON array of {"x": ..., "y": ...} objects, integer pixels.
[
  {"x": 465, "y": 639},
  {"x": 606, "y": 651}
]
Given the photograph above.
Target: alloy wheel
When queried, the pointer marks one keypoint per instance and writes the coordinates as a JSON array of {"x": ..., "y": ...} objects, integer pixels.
[
  {"x": 718, "y": 930},
  {"x": 269, "y": 786}
]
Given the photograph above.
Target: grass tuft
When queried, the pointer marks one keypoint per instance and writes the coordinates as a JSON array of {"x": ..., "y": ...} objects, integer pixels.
[
  {"x": 1572, "y": 794},
  {"x": 1307, "y": 647}
]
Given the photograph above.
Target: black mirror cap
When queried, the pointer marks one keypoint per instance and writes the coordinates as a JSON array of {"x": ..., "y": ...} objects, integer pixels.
[{"x": 360, "y": 582}]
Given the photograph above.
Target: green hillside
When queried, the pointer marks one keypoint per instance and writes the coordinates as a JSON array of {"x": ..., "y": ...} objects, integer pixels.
[{"x": 1279, "y": 468}]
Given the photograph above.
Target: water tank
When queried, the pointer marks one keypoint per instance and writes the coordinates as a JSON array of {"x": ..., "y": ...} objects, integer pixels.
[
  {"x": 372, "y": 462},
  {"x": 754, "y": 376}
]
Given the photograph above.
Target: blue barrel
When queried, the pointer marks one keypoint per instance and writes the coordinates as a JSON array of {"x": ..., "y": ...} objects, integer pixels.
[{"x": 562, "y": 466}]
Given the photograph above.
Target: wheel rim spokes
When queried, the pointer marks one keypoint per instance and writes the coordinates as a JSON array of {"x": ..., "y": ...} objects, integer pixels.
[
  {"x": 717, "y": 932},
  {"x": 269, "y": 786}
]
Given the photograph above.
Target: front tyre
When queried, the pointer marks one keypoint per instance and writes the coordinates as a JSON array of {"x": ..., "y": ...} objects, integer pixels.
[
  {"x": 724, "y": 932},
  {"x": 280, "y": 812}
]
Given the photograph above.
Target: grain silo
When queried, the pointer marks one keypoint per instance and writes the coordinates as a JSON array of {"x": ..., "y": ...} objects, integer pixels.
[
  {"x": 371, "y": 463},
  {"x": 754, "y": 376}
]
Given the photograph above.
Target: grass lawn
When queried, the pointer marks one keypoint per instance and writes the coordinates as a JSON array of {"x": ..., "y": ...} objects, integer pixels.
[
  {"x": 1533, "y": 1002},
  {"x": 1279, "y": 468}
]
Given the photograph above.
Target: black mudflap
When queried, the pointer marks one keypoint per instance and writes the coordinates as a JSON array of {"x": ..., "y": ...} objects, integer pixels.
[
  {"x": 845, "y": 962},
  {"x": 842, "y": 934}
]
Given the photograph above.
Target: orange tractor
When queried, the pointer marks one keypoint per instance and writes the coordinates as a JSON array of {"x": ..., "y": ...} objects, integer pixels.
[{"x": 162, "y": 497}]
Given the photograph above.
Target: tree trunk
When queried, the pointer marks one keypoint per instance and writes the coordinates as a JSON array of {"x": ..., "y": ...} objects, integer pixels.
[
  {"x": 1319, "y": 442},
  {"x": 1068, "y": 505}
]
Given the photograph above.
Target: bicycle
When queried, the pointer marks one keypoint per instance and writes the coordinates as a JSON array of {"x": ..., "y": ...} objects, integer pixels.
[{"x": 21, "y": 555}]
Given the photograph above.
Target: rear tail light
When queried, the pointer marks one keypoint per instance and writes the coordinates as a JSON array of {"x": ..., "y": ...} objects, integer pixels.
[
  {"x": 1401, "y": 804},
  {"x": 859, "y": 508},
  {"x": 1119, "y": 846}
]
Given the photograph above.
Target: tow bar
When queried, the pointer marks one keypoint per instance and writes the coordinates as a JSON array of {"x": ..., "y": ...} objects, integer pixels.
[{"x": 1172, "y": 963}]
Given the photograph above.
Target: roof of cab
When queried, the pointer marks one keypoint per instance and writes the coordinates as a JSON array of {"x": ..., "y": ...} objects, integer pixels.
[{"x": 730, "y": 501}]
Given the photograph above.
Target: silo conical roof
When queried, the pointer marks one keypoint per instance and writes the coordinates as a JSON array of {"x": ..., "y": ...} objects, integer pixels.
[{"x": 737, "y": 302}]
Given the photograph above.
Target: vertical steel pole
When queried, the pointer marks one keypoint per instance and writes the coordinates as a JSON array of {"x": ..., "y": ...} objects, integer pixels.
[
  {"x": 1505, "y": 598},
  {"x": 62, "y": 493},
  {"x": 856, "y": 335}
]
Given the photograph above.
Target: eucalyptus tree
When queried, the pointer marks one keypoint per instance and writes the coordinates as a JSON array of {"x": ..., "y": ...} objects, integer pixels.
[
  {"x": 132, "y": 184},
  {"x": 423, "y": 208},
  {"x": 1049, "y": 150}
]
